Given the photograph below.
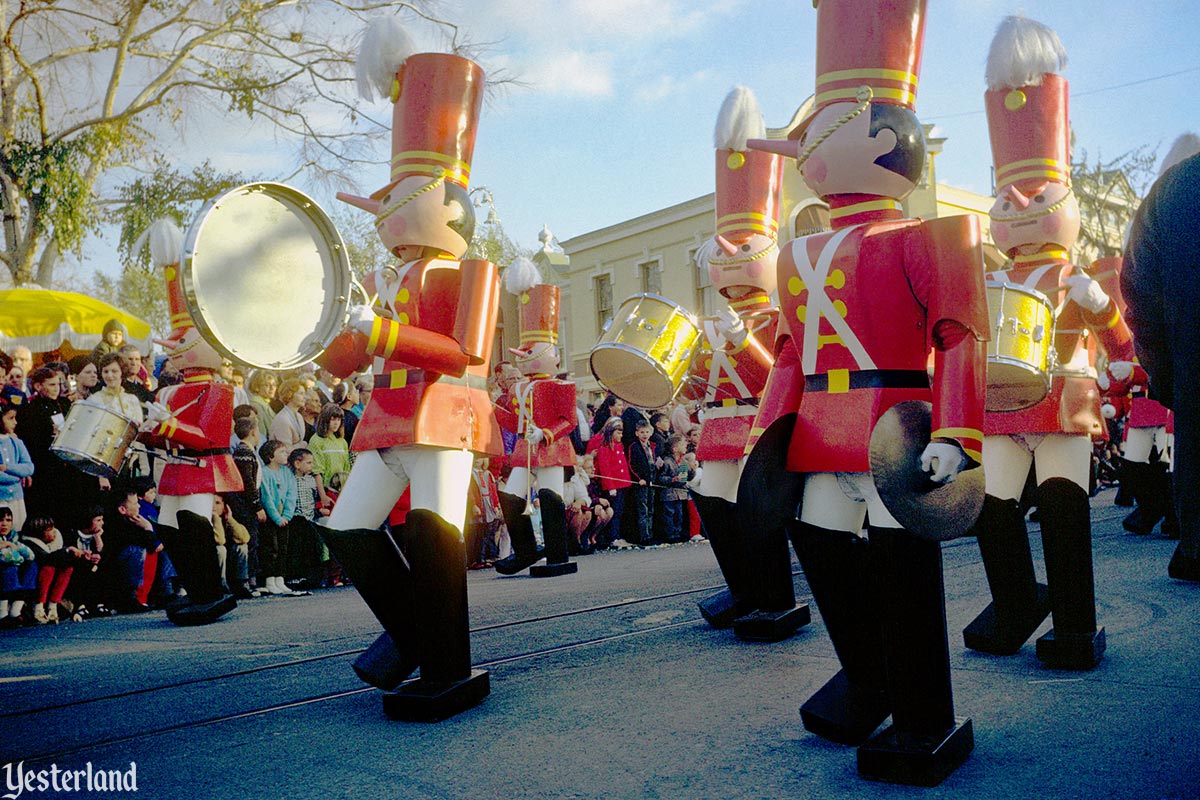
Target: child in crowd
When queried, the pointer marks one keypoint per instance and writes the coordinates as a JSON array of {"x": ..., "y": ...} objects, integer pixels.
[
  {"x": 158, "y": 569},
  {"x": 674, "y": 475},
  {"x": 231, "y": 535},
  {"x": 129, "y": 538},
  {"x": 331, "y": 452},
  {"x": 246, "y": 505},
  {"x": 641, "y": 471},
  {"x": 485, "y": 520},
  {"x": 18, "y": 572},
  {"x": 303, "y": 543},
  {"x": 660, "y": 433},
  {"x": 15, "y": 465},
  {"x": 55, "y": 566},
  {"x": 279, "y": 503},
  {"x": 86, "y": 590},
  {"x": 613, "y": 472}
]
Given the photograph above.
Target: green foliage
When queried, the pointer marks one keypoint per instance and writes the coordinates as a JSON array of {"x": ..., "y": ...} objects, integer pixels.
[
  {"x": 363, "y": 246},
  {"x": 165, "y": 192},
  {"x": 492, "y": 244},
  {"x": 55, "y": 179},
  {"x": 1109, "y": 191}
]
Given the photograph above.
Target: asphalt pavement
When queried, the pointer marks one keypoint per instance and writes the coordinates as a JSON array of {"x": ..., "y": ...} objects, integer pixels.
[{"x": 604, "y": 684}]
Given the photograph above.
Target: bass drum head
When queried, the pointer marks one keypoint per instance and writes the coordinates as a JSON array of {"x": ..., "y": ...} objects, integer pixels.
[
  {"x": 631, "y": 375},
  {"x": 265, "y": 276}
]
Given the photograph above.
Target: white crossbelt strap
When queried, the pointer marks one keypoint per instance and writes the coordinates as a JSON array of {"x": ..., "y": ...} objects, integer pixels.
[
  {"x": 820, "y": 305},
  {"x": 721, "y": 364}
]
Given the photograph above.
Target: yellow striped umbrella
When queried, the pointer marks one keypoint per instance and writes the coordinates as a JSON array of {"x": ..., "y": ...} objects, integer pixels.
[{"x": 43, "y": 320}]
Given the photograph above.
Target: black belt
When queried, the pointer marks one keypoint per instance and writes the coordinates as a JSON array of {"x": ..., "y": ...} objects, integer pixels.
[
  {"x": 741, "y": 401},
  {"x": 414, "y": 376},
  {"x": 216, "y": 451},
  {"x": 872, "y": 379}
]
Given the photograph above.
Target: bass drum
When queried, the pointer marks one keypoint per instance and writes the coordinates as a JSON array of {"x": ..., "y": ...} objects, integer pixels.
[{"x": 266, "y": 277}]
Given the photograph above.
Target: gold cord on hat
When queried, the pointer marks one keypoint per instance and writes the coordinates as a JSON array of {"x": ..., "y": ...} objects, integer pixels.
[
  {"x": 863, "y": 96},
  {"x": 389, "y": 210}
]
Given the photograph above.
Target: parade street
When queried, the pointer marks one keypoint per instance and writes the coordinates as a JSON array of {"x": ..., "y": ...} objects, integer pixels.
[{"x": 605, "y": 683}]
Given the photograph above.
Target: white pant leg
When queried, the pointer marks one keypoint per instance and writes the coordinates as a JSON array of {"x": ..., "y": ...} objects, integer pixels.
[
  {"x": 1005, "y": 466},
  {"x": 369, "y": 494},
  {"x": 826, "y": 504},
  {"x": 169, "y": 507},
  {"x": 1063, "y": 456},
  {"x": 518, "y": 483},
  {"x": 720, "y": 479},
  {"x": 550, "y": 478},
  {"x": 1138, "y": 443},
  {"x": 440, "y": 478}
]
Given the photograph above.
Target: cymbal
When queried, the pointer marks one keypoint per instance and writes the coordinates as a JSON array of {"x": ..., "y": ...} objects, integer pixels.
[{"x": 930, "y": 510}]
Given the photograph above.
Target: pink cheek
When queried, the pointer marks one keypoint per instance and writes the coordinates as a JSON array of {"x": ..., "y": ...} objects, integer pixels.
[
  {"x": 999, "y": 231},
  {"x": 1052, "y": 224},
  {"x": 815, "y": 169},
  {"x": 754, "y": 269},
  {"x": 396, "y": 225}
]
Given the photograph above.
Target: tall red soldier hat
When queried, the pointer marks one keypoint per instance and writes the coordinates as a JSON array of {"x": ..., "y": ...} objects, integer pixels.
[
  {"x": 436, "y": 99},
  {"x": 874, "y": 43},
  {"x": 1026, "y": 104},
  {"x": 166, "y": 248},
  {"x": 749, "y": 182},
  {"x": 538, "y": 305}
]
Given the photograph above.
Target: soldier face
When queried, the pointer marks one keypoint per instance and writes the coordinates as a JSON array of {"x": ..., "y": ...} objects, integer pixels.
[
  {"x": 750, "y": 265},
  {"x": 1026, "y": 221},
  {"x": 412, "y": 218},
  {"x": 845, "y": 162}
]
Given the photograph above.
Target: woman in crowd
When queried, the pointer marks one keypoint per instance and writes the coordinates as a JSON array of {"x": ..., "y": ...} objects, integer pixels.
[
  {"x": 57, "y": 483},
  {"x": 612, "y": 406},
  {"x": 262, "y": 388},
  {"x": 112, "y": 394},
  {"x": 288, "y": 425},
  {"x": 87, "y": 376}
]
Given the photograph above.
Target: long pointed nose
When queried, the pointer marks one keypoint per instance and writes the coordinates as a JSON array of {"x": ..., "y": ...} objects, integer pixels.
[
  {"x": 729, "y": 247},
  {"x": 1016, "y": 197}
]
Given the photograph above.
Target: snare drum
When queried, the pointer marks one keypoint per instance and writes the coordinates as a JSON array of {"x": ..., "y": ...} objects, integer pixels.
[
  {"x": 644, "y": 355},
  {"x": 1019, "y": 362},
  {"x": 95, "y": 439}
]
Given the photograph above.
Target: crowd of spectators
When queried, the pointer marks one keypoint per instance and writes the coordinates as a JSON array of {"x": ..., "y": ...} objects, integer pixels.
[{"x": 74, "y": 546}]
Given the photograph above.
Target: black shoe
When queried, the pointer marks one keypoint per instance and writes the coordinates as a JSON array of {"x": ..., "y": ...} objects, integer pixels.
[{"x": 101, "y": 610}]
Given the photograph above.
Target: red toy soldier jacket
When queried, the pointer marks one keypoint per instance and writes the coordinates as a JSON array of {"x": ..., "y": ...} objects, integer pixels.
[
  {"x": 199, "y": 429},
  {"x": 735, "y": 378},
  {"x": 546, "y": 403},
  {"x": 424, "y": 394},
  {"x": 1073, "y": 404},
  {"x": 862, "y": 307}
]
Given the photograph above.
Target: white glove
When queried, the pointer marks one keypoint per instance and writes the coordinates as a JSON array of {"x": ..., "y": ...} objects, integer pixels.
[
  {"x": 1103, "y": 382},
  {"x": 1108, "y": 411},
  {"x": 1087, "y": 293},
  {"x": 534, "y": 435},
  {"x": 730, "y": 325},
  {"x": 157, "y": 412},
  {"x": 362, "y": 318},
  {"x": 1120, "y": 371},
  {"x": 942, "y": 461}
]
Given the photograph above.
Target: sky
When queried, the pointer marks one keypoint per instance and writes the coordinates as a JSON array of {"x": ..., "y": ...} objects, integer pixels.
[{"x": 618, "y": 100}]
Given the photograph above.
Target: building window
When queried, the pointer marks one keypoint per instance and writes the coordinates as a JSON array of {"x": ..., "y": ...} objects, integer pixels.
[
  {"x": 651, "y": 277},
  {"x": 602, "y": 286},
  {"x": 705, "y": 296}
]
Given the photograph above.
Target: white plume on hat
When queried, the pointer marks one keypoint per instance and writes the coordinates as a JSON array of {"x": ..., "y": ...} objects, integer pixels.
[
  {"x": 385, "y": 46},
  {"x": 1022, "y": 51},
  {"x": 521, "y": 276},
  {"x": 738, "y": 120},
  {"x": 1186, "y": 146},
  {"x": 166, "y": 242}
]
